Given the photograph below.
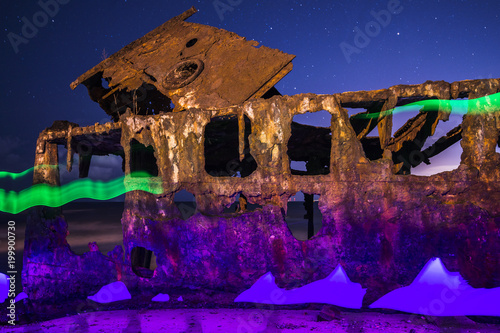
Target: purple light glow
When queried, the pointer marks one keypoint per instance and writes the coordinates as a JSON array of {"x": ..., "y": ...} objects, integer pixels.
[
  {"x": 161, "y": 298},
  {"x": 116, "y": 291},
  {"x": 4, "y": 287},
  {"x": 335, "y": 289},
  {"x": 438, "y": 292}
]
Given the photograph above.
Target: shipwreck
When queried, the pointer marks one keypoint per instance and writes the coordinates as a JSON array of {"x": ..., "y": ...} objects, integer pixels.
[{"x": 196, "y": 108}]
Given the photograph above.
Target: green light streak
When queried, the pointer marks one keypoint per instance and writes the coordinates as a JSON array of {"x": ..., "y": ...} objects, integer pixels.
[
  {"x": 474, "y": 106},
  {"x": 55, "y": 196},
  {"x": 16, "y": 175}
]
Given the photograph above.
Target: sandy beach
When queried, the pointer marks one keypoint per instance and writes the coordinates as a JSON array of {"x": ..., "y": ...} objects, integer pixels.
[{"x": 249, "y": 320}]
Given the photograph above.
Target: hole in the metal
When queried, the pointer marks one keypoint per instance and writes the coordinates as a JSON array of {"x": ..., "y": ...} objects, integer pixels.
[
  {"x": 304, "y": 219},
  {"x": 183, "y": 74},
  {"x": 186, "y": 203},
  {"x": 241, "y": 205},
  {"x": 143, "y": 262},
  {"x": 310, "y": 144},
  {"x": 191, "y": 42},
  {"x": 142, "y": 158},
  {"x": 426, "y": 154},
  {"x": 222, "y": 151},
  {"x": 185, "y": 70},
  {"x": 82, "y": 219}
]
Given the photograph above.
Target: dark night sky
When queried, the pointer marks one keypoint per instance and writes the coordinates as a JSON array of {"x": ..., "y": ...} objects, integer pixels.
[{"x": 428, "y": 40}]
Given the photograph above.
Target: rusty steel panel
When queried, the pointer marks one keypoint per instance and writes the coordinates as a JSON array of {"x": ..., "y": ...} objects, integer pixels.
[{"x": 193, "y": 65}]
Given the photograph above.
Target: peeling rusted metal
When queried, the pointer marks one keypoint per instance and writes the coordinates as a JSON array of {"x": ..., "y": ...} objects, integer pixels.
[{"x": 190, "y": 64}]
